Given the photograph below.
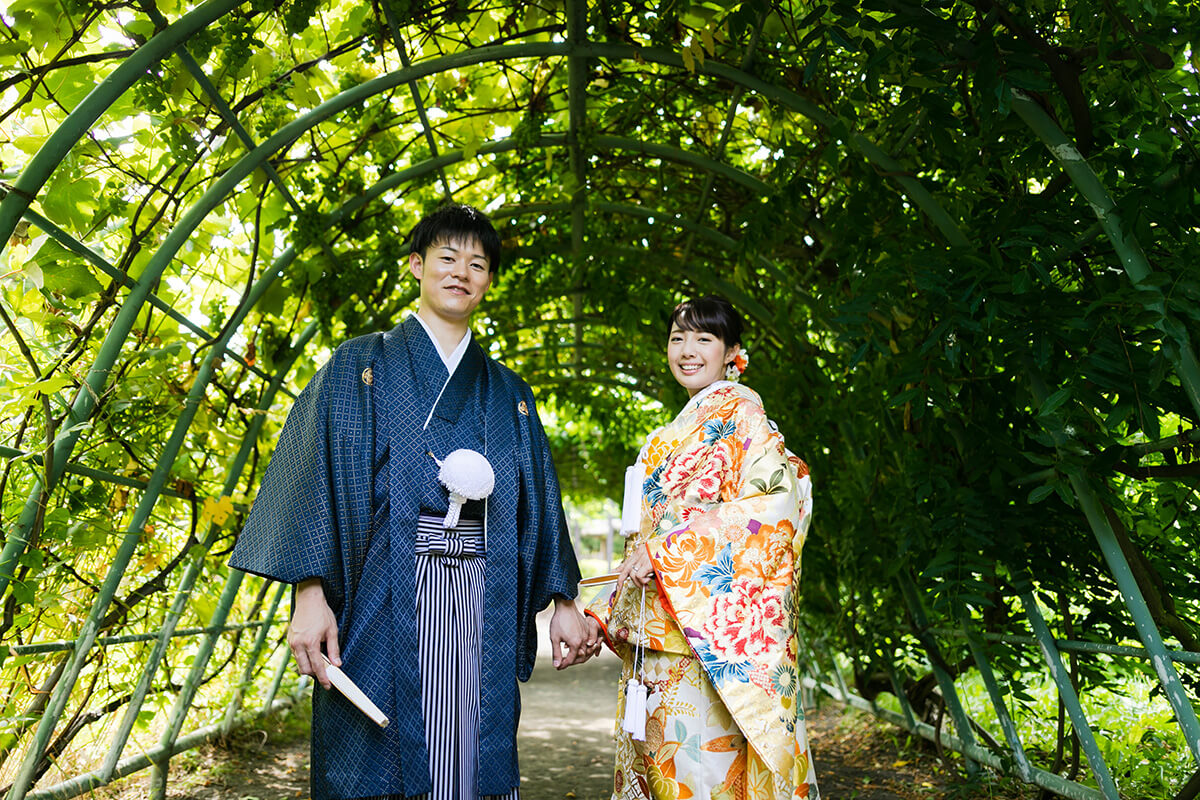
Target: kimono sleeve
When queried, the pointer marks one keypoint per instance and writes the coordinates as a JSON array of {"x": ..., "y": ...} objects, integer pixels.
[
  {"x": 757, "y": 484},
  {"x": 551, "y": 565},
  {"x": 547, "y": 565},
  {"x": 295, "y": 529},
  {"x": 729, "y": 572}
]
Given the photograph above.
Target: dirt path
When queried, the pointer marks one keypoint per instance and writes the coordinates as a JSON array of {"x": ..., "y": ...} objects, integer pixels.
[{"x": 565, "y": 745}]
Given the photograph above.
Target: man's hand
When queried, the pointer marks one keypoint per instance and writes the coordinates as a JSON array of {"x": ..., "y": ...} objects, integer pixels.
[
  {"x": 636, "y": 568},
  {"x": 567, "y": 627},
  {"x": 313, "y": 624}
]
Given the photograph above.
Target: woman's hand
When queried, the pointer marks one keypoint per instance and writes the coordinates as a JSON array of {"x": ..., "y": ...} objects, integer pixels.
[
  {"x": 313, "y": 624},
  {"x": 636, "y": 568},
  {"x": 569, "y": 630},
  {"x": 595, "y": 636}
]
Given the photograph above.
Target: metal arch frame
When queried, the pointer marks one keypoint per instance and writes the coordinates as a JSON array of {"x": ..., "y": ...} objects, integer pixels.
[
  {"x": 31, "y": 180},
  {"x": 726, "y": 129},
  {"x": 153, "y": 489},
  {"x": 698, "y": 276},
  {"x": 192, "y": 571},
  {"x": 109, "y": 269},
  {"x": 1077, "y": 171},
  {"x": 693, "y": 229},
  {"x": 1125, "y": 242},
  {"x": 230, "y": 119},
  {"x": 1160, "y": 658},
  {"x": 129, "y": 541},
  {"x": 86, "y": 398},
  {"x": 40, "y": 167},
  {"x": 154, "y": 486},
  {"x": 398, "y": 43},
  {"x": 743, "y": 300},
  {"x": 577, "y": 80}
]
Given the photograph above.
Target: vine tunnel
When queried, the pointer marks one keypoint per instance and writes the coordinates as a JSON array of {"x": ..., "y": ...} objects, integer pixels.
[{"x": 963, "y": 236}]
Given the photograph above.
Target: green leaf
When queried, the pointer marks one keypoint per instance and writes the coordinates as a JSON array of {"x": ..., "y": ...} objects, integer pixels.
[
  {"x": 12, "y": 49},
  {"x": 65, "y": 272},
  {"x": 72, "y": 279},
  {"x": 812, "y": 16},
  {"x": 69, "y": 200},
  {"x": 1029, "y": 80},
  {"x": 1040, "y": 493},
  {"x": 140, "y": 27},
  {"x": 689, "y": 61},
  {"x": 28, "y": 144},
  {"x": 33, "y": 273},
  {"x": 1054, "y": 402}
]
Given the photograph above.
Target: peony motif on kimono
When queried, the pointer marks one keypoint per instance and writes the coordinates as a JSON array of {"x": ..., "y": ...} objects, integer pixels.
[
  {"x": 725, "y": 512},
  {"x": 691, "y": 552},
  {"x": 747, "y": 621}
]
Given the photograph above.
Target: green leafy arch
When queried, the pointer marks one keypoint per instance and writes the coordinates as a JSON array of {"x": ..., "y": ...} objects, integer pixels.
[{"x": 963, "y": 235}]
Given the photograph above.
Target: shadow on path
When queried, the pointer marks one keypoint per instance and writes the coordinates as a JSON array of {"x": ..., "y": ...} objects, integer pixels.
[
  {"x": 565, "y": 745},
  {"x": 565, "y": 739}
]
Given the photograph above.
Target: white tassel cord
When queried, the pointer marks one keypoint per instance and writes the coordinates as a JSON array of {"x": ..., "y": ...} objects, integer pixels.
[
  {"x": 467, "y": 475},
  {"x": 631, "y": 501},
  {"x": 634, "y": 722}
]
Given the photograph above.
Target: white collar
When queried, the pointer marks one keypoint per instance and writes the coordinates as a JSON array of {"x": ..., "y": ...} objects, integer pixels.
[
  {"x": 451, "y": 361},
  {"x": 692, "y": 402},
  {"x": 712, "y": 387}
]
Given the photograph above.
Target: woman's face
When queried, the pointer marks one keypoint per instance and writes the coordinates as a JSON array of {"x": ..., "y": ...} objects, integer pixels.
[{"x": 697, "y": 358}]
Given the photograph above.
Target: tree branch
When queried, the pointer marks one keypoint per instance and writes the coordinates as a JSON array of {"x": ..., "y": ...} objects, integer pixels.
[
  {"x": 1065, "y": 74},
  {"x": 42, "y": 69},
  {"x": 1159, "y": 471}
]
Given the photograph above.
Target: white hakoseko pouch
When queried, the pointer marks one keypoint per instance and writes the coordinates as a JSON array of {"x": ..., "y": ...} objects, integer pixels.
[{"x": 631, "y": 502}]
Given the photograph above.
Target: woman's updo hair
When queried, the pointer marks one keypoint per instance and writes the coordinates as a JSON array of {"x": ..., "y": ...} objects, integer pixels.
[{"x": 709, "y": 314}]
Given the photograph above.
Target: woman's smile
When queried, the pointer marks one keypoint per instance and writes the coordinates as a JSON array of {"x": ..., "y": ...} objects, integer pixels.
[{"x": 697, "y": 358}]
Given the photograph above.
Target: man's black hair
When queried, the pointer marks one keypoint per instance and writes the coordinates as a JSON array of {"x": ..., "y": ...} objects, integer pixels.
[
  {"x": 709, "y": 314},
  {"x": 456, "y": 222}
]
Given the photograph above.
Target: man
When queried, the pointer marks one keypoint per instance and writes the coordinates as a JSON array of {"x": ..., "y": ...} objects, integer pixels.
[{"x": 435, "y": 625}]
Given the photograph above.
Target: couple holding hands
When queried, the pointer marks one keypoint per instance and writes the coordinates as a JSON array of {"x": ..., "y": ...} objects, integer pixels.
[{"x": 413, "y": 503}]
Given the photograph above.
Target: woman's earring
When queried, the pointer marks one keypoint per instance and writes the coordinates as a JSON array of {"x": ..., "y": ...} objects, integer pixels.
[{"x": 732, "y": 373}]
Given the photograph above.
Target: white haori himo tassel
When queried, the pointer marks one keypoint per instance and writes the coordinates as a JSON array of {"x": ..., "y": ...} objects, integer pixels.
[{"x": 467, "y": 475}]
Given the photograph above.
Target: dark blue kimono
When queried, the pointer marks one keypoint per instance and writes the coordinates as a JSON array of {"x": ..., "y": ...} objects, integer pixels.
[{"x": 350, "y": 475}]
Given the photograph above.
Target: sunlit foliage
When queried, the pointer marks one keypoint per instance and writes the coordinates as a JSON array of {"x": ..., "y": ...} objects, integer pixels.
[{"x": 931, "y": 294}]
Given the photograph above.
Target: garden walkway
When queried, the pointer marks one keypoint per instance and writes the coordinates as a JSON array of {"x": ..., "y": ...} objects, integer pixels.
[{"x": 566, "y": 751}]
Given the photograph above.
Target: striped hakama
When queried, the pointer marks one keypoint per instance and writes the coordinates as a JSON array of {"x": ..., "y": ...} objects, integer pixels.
[
  {"x": 349, "y": 477},
  {"x": 450, "y": 580}
]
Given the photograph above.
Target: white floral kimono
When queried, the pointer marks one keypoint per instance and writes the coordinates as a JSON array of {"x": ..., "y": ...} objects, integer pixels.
[{"x": 724, "y": 512}]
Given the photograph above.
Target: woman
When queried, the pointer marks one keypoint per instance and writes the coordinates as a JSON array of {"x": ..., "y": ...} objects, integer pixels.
[{"x": 704, "y": 609}]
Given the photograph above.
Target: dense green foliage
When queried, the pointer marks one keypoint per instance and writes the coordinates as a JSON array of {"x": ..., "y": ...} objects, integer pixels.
[{"x": 931, "y": 294}]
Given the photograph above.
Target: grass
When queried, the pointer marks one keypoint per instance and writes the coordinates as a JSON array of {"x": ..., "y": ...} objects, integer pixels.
[{"x": 1135, "y": 729}]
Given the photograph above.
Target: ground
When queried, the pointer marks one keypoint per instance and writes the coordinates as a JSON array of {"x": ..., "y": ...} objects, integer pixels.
[{"x": 565, "y": 746}]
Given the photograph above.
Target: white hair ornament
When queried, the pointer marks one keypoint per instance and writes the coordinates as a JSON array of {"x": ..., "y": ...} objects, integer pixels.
[{"x": 736, "y": 367}]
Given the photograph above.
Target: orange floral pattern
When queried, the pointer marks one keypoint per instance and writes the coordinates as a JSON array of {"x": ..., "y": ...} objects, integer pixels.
[
  {"x": 725, "y": 512},
  {"x": 691, "y": 551}
]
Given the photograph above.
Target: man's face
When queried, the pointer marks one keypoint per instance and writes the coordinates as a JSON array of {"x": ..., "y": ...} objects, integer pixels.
[{"x": 454, "y": 278}]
